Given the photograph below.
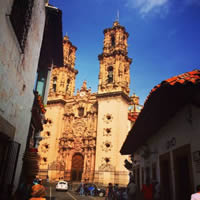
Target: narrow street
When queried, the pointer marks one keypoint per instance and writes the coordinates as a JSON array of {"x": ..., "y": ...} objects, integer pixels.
[{"x": 52, "y": 194}]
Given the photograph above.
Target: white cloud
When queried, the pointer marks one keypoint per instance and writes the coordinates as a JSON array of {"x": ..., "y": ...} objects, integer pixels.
[{"x": 147, "y": 6}]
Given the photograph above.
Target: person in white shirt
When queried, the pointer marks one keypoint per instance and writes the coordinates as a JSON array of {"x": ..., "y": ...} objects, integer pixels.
[{"x": 196, "y": 196}]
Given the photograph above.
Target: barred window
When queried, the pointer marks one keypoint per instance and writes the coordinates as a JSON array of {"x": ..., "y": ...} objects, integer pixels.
[{"x": 20, "y": 19}]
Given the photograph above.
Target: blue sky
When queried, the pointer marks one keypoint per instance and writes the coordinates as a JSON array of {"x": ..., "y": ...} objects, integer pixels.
[{"x": 164, "y": 37}]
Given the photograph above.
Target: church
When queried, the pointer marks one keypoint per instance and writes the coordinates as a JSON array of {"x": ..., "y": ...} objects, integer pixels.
[{"x": 84, "y": 132}]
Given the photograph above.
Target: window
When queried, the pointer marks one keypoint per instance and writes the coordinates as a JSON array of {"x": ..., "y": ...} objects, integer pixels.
[
  {"x": 108, "y": 130},
  {"x": 54, "y": 83},
  {"x": 80, "y": 111},
  {"x": 41, "y": 82},
  {"x": 70, "y": 52},
  {"x": 107, "y": 160},
  {"x": 20, "y": 18},
  {"x": 48, "y": 133},
  {"x": 67, "y": 86},
  {"x": 107, "y": 145},
  {"x": 108, "y": 117},
  {"x": 112, "y": 40},
  {"x": 110, "y": 74}
]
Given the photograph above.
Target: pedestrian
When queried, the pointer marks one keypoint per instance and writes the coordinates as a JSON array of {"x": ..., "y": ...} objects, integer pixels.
[
  {"x": 147, "y": 190},
  {"x": 91, "y": 189},
  {"x": 81, "y": 189},
  {"x": 116, "y": 192},
  {"x": 38, "y": 190},
  {"x": 132, "y": 189},
  {"x": 196, "y": 196},
  {"x": 109, "y": 192},
  {"x": 47, "y": 179},
  {"x": 156, "y": 190}
]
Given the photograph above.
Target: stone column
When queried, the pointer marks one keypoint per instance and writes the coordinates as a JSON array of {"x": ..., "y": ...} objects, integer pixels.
[
  {"x": 93, "y": 164},
  {"x": 84, "y": 166}
]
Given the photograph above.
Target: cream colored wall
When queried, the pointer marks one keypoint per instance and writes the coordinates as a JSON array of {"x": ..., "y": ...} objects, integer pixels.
[
  {"x": 119, "y": 125},
  {"x": 18, "y": 72},
  {"x": 55, "y": 114}
]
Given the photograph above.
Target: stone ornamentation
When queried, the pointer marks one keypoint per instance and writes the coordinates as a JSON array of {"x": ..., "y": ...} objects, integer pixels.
[
  {"x": 108, "y": 118},
  {"x": 106, "y": 146}
]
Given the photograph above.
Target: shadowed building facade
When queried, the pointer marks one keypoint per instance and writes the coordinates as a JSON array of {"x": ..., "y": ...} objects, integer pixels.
[{"x": 84, "y": 131}]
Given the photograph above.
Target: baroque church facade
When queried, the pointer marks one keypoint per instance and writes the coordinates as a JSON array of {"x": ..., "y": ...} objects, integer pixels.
[{"x": 85, "y": 131}]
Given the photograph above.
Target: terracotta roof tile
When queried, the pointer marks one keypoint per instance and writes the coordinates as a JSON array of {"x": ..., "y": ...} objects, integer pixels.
[
  {"x": 193, "y": 77},
  {"x": 163, "y": 102}
]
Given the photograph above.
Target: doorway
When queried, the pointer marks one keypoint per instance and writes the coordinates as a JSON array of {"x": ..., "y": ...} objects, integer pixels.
[
  {"x": 138, "y": 177},
  {"x": 183, "y": 173},
  {"x": 77, "y": 167},
  {"x": 165, "y": 177}
]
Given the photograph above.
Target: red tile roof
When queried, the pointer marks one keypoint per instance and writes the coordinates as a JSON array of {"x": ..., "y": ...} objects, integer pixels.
[
  {"x": 163, "y": 102},
  {"x": 188, "y": 77},
  {"x": 132, "y": 116}
]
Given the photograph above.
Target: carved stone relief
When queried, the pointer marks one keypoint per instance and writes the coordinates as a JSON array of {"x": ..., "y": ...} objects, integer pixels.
[
  {"x": 79, "y": 127},
  {"x": 44, "y": 147},
  {"x": 57, "y": 165},
  {"x": 106, "y": 146},
  {"x": 107, "y": 132},
  {"x": 106, "y": 167},
  {"x": 78, "y": 144},
  {"x": 43, "y": 160},
  {"x": 107, "y": 118}
]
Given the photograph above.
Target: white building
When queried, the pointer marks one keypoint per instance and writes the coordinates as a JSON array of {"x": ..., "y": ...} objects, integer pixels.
[
  {"x": 22, "y": 25},
  {"x": 164, "y": 142}
]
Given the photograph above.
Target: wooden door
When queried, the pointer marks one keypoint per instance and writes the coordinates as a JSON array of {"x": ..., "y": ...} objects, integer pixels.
[{"x": 77, "y": 167}]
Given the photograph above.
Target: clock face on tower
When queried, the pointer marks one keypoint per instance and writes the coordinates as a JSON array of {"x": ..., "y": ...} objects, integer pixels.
[{"x": 82, "y": 94}]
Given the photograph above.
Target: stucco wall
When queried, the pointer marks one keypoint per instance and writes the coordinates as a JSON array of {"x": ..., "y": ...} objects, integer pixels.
[
  {"x": 18, "y": 72},
  {"x": 119, "y": 124},
  {"x": 184, "y": 127}
]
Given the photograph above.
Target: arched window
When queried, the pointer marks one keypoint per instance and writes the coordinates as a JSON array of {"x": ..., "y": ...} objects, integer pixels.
[
  {"x": 67, "y": 86},
  {"x": 112, "y": 40},
  {"x": 70, "y": 52},
  {"x": 54, "y": 83},
  {"x": 110, "y": 74},
  {"x": 80, "y": 111}
]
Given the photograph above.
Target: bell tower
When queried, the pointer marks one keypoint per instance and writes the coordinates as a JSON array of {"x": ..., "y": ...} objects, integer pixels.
[
  {"x": 113, "y": 102},
  {"x": 63, "y": 78},
  {"x": 114, "y": 74}
]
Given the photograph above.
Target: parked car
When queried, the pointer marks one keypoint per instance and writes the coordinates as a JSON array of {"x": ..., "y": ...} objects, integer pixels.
[
  {"x": 96, "y": 192},
  {"x": 62, "y": 186}
]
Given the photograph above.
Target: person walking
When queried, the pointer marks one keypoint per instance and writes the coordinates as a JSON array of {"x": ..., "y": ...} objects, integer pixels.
[
  {"x": 38, "y": 190},
  {"x": 81, "y": 189},
  {"x": 116, "y": 192},
  {"x": 109, "y": 192},
  {"x": 47, "y": 179},
  {"x": 196, "y": 196},
  {"x": 147, "y": 190},
  {"x": 156, "y": 190},
  {"x": 131, "y": 189}
]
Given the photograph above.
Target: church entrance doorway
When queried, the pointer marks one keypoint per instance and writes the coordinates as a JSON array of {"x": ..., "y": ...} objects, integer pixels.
[{"x": 77, "y": 167}]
